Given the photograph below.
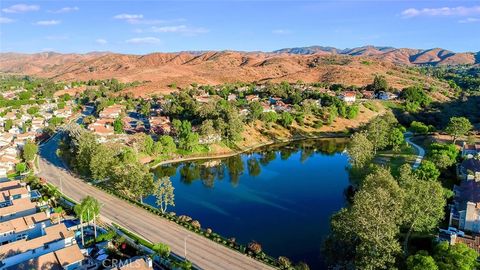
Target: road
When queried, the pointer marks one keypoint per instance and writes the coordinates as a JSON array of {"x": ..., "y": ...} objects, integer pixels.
[
  {"x": 201, "y": 251},
  {"x": 420, "y": 150}
]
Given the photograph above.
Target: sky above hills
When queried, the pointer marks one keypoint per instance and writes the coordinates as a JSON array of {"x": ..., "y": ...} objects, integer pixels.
[{"x": 148, "y": 26}]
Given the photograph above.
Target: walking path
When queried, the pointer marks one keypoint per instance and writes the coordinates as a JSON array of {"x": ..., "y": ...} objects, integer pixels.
[{"x": 420, "y": 150}]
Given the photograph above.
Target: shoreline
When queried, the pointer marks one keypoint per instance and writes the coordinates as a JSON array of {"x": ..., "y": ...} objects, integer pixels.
[{"x": 326, "y": 135}]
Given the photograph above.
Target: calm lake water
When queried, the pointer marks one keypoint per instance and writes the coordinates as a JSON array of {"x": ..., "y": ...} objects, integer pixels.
[{"x": 280, "y": 196}]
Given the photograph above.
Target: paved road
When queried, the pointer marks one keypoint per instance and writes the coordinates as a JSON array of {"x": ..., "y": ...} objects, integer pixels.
[
  {"x": 420, "y": 150},
  {"x": 203, "y": 252}
]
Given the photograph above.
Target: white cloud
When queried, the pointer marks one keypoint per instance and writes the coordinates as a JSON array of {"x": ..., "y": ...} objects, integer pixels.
[
  {"x": 21, "y": 8},
  {"x": 101, "y": 41},
  {"x": 65, "y": 10},
  {"x": 469, "y": 20},
  {"x": 182, "y": 29},
  {"x": 143, "y": 40},
  {"x": 47, "y": 23},
  {"x": 4, "y": 20},
  {"x": 281, "y": 32},
  {"x": 443, "y": 11},
  {"x": 126, "y": 16}
]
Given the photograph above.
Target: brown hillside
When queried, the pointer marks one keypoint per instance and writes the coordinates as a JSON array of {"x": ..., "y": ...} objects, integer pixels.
[{"x": 158, "y": 70}]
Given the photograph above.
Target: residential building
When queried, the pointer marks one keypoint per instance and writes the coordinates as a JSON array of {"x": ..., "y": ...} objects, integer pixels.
[
  {"x": 470, "y": 169},
  {"x": 251, "y": 98},
  {"x": 383, "y": 95},
  {"x": 470, "y": 149},
  {"x": 112, "y": 112},
  {"x": 53, "y": 238},
  {"x": 465, "y": 210},
  {"x": 348, "y": 96},
  {"x": 8, "y": 195},
  {"x": 69, "y": 258},
  {"x": 18, "y": 208},
  {"x": 65, "y": 112},
  {"x": 27, "y": 227}
]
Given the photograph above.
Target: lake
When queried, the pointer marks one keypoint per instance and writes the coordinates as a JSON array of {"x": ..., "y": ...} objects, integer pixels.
[{"x": 281, "y": 196}]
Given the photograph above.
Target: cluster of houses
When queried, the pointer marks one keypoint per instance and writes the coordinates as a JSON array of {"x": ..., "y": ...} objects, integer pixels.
[
  {"x": 465, "y": 210},
  {"x": 17, "y": 127},
  {"x": 31, "y": 238}
]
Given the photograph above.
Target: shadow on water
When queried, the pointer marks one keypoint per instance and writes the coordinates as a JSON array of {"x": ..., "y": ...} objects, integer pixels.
[{"x": 280, "y": 195}]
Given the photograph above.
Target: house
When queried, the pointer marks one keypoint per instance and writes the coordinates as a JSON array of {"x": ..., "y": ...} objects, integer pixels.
[
  {"x": 102, "y": 130},
  {"x": 54, "y": 238},
  {"x": 19, "y": 208},
  {"x": 38, "y": 125},
  {"x": 111, "y": 112},
  {"x": 465, "y": 210},
  {"x": 8, "y": 195},
  {"x": 470, "y": 169},
  {"x": 368, "y": 94},
  {"x": 251, "y": 98},
  {"x": 27, "y": 227},
  {"x": 5, "y": 139},
  {"x": 348, "y": 96},
  {"x": 160, "y": 125},
  {"x": 470, "y": 149},
  {"x": 203, "y": 98},
  {"x": 386, "y": 95},
  {"x": 69, "y": 258},
  {"x": 64, "y": 113},
  {"x": 9, "y": 161},
  {"x": 274, "y": 100},
  {"x": 280, "y": 106},
  {"x": 267, "y": 107},
  {"x": 232, "y": 97}
]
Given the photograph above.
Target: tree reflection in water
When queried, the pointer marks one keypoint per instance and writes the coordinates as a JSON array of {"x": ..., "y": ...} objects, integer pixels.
[{"x": 215, "y": 169}]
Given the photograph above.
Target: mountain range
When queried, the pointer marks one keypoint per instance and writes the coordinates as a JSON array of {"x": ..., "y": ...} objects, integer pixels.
[{"x": 355, "y": 66}]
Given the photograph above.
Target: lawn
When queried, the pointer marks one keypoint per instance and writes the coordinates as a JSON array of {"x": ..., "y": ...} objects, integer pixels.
[{"x": 395, "y": 159}]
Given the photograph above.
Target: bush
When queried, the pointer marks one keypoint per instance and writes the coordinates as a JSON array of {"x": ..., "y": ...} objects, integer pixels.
[{"x": 419, "y": 127}]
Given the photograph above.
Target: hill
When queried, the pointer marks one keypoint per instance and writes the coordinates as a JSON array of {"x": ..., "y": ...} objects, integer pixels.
[
  {"x": 436, "y": 56},
  {"x": 158, "y": 70}
]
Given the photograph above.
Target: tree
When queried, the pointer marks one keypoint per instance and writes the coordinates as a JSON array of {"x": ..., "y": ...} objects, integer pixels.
[
  {"x": 419, "y": 127},
  {"x": 8, "y": 125},
  {"x": 162, "y": 250},
  {"x": 396, "y": 138},
  {"x": 286, "y": 119},
  {"x": 20, "y": 167},
  {"x": 87, "y": 210},
  {"x": 424, "y": 203},
  {"x": 118, "y": 125},
  {"x": 378, "y": 131},
  {"x": 455, "y": 257},
  {"x": 270, "y": 117},
  {"x": 168, "y": 144},
  {"x": 207, "y": 129},
  {"x": 133, "y": 179},
  {"x": 30, "y": 150},
  {"x": 428, "y": 171},
  {"x": 379, "y": 83},
  {"x": 443, "y": 155},
  {"x": 421, "y": 261},
  {"x": 360, "y": 150},
  {"x": 163, "y": 192},
  {"x": 256, "y": 110},
  {"x": 458, "y": 126},
  {"x": 102, "y": 162},
  {"x": 376, "y": 231}
]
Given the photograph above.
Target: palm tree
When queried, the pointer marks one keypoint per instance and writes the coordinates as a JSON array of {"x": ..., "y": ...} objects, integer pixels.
[{"x": 88, "y": 209}]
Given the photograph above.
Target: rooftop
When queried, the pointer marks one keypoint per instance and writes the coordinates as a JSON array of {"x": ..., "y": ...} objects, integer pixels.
[{"x": 52, "y": 234}]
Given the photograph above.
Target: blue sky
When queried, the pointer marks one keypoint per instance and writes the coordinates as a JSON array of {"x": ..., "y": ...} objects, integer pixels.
[{"x": 165, "y": 26}]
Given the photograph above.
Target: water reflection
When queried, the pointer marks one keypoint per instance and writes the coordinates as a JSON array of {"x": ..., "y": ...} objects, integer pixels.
[{"x": 208, "y": 171}]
